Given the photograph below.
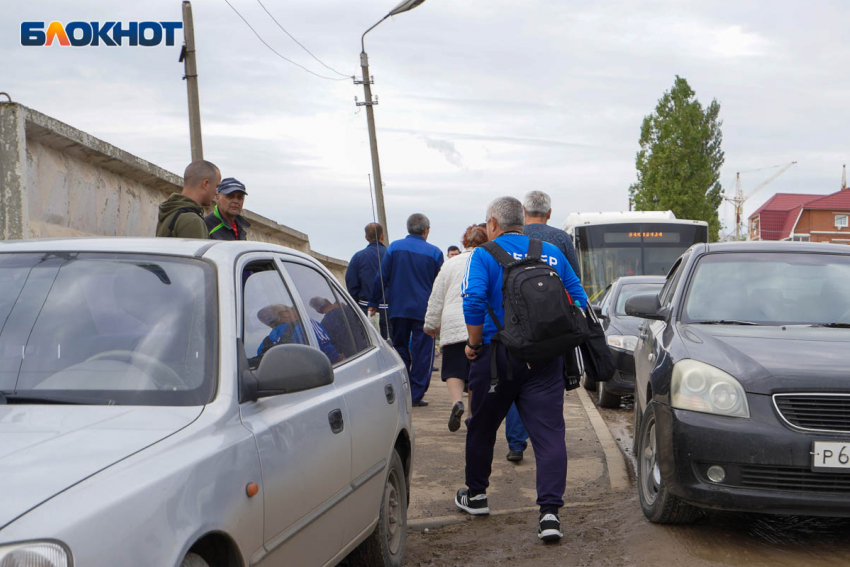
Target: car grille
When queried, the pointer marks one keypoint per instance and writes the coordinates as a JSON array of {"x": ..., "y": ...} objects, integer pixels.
[
  {"x": 816, "y": 412},
  {"x": 794, "y": 479}
]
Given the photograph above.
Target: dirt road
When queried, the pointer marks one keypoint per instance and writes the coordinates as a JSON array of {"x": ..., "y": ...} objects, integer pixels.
[{"x": 602, "y": 528}]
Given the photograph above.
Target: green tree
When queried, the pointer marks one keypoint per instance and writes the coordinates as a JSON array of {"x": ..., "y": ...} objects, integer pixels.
[{"x": 678, "y": 165}]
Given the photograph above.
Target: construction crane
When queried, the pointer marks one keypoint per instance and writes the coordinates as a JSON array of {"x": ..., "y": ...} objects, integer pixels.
[{"x": 739, "y": 199}]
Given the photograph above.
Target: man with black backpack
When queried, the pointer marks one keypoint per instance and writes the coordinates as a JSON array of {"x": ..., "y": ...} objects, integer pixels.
[
  {"x": 522, "y": 304},
  {"x": 182, "y": 214}
]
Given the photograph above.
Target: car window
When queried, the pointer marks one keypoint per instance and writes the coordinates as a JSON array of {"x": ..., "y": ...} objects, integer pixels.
[
  {"x": 112, "y": 328},
  {"x": 770, "y": 288},
  {"x": 630, "y": 290},
  {"x": 269, "y": 314},
  {"x": 336, "y": 317},
  {"x": 606, "y": 299},
  {"x": 669, "y": 289}
]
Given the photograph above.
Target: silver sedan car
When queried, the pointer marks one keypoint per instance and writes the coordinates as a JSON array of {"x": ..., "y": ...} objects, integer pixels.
[{"x": 196, "y": 404}]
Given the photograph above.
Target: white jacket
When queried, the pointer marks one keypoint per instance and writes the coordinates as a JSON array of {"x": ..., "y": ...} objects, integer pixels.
[{"x": 445, "y": 306}]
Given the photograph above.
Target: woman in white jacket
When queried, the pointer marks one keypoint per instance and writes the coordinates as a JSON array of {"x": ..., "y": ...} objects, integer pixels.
[{"x": 445, "y": 315}]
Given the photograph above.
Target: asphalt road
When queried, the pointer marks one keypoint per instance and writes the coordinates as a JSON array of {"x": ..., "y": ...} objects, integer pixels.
[{"x": 602, "y": 526}]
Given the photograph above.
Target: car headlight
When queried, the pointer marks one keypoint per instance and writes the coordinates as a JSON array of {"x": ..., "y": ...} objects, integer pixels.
[
  {"x": 701, "y": 387},
  {"x": 34, "y": 554},
  {"x": 623, "y": 342}
]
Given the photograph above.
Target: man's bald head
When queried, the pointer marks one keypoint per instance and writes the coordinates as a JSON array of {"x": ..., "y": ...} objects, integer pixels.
[
  {"x": 200, "y": 181},
  {"x": 374, "y": 232}
]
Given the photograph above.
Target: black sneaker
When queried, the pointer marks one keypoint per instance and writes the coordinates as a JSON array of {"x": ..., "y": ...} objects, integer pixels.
[
  {"x": 550, "y": 528},
  {"x": 514, "y": 456},
  {"x": 477, "y": 505},
  {"x": 454, "y": 418}
]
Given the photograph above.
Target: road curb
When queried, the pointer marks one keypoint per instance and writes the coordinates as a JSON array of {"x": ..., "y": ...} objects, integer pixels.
[
  {"x": 617, "y": 474},
  {"x": 419, "y": 524}
]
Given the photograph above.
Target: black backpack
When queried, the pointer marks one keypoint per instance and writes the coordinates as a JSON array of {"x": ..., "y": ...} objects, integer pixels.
[{"x": 541, "y": 320}]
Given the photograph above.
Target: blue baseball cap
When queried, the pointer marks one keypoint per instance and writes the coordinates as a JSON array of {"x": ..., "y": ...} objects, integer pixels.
[{"x": 230, "y": 184}]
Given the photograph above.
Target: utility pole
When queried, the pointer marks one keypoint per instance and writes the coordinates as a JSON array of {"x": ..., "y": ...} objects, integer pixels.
[
  {"x": 187, "y": 56},
  {"x": 373, "y": 139}
]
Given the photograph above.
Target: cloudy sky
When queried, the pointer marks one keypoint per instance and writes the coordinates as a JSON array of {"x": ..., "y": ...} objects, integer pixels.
[{"x": 477, "y": 98}]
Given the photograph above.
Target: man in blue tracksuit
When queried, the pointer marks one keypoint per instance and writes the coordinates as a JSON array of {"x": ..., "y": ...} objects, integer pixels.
[
  {"x": 410, "y": 267},
  {"x": 362, "y": 270},
  {"x": 537, "y": 388}
]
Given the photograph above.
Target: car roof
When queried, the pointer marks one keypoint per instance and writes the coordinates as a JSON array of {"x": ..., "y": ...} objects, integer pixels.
[
  {"x": 186, "y": 247},
  {"x": 641, "y": 279},
  {"x": 777, "y": 246}
]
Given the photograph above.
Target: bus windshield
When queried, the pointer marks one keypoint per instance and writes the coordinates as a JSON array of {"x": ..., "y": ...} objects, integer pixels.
[{"x": 611, "y": 251}]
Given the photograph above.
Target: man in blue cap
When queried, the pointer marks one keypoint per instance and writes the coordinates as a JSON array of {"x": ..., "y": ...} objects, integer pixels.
[{"x": 226, "y": 221}]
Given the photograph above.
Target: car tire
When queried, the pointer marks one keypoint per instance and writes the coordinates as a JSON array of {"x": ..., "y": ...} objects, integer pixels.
[
  {"x": 605, "y": 398},
  {"x": 588, "y": 383},
  {"x": 385, "y": 546},
  {"x": 636, "y": 426},
  {"x": 194, "y": 560},
  {"x": 658, "y": 504}
]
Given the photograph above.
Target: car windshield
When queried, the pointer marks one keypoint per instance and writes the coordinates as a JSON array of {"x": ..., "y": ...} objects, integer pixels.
[
  {"x": 109, "y": 328},
  {"x": 770, "y": 289},
  {"x": 629, "y": 290}
]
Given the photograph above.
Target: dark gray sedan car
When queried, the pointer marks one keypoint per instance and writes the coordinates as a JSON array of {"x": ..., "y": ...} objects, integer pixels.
[
  {"x": 621, "y": 333},
  {"x": 742, "y": 397}
]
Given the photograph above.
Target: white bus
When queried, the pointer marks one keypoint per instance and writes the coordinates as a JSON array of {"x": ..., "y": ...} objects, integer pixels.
[{"x": 611, "y": 245}]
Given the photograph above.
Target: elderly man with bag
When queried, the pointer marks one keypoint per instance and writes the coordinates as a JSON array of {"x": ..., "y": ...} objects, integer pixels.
[{"x": 522, "y": 305}]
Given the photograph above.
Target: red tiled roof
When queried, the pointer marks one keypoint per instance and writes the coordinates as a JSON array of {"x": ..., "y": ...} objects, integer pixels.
[
  {"x": 778, "y": 215},
  {"x": 786, "y": 202},
  {"x": 837, "y": 201}
]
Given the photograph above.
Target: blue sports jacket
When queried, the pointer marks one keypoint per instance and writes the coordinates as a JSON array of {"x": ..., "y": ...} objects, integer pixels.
[
  {"x": 410, "y": 268},
  {"x": 361, "y": 272},
  {"x": 482, "y": 285}
]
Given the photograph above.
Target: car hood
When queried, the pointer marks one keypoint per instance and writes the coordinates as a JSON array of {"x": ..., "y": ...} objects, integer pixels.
[
  {"x": 769, "y": 359},
  {"x": 45, "y": 449}
]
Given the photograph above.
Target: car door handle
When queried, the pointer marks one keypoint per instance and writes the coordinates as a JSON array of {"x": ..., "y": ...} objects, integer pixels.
[
  {"x": 335, "y": 419},
  {"x": 389, "y": 392}
]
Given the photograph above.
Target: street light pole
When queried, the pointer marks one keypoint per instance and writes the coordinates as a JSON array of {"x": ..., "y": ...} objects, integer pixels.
[
  {"x": 373, "y": 139},
  {"x": 402, "y": 7}
]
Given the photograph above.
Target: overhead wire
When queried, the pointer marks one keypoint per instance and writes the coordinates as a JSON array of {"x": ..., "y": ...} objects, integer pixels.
[
  {"x": 322, "y": 63},
  {"x": 272, "y": 49}
]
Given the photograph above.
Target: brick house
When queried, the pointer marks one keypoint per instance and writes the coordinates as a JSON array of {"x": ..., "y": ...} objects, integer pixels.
[{"x": 803, "y": 218}]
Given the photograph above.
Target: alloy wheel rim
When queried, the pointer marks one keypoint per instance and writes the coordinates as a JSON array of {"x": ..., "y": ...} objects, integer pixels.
[
  {"x": 395, "y": 518},
  {"x": 650, "y": 472}
]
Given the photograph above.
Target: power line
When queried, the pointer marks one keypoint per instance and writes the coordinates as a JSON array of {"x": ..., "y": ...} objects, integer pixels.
[
  {"x": 275, "y": 52},
  {"x": 328, "y": 67}
]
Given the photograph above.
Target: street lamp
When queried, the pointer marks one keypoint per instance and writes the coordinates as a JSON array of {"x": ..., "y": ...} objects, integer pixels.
[{"x": 367, "y": 81}]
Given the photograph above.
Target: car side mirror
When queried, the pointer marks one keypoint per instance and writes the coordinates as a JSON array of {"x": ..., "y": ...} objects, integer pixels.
[
  {"x": 598, "y": 310},
  {"x": 645, "y": 306},
  {"x": 285, "y": 369}
]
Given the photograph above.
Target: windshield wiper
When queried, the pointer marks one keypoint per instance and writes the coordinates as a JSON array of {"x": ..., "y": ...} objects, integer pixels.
[
  {"x": 833, "y": 325},
  {"x": 725, "y": 322},
  {"x": 39, "y": 398}
]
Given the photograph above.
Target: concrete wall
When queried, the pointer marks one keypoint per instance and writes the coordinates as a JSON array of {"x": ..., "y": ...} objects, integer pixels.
[{"x": 57, "y": 182}]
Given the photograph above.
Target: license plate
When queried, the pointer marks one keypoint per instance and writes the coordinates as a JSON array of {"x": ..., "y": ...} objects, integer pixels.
[{"x": 831, "y": 455}]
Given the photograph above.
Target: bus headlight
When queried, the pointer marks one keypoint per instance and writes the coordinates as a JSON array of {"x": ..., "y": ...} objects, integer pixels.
[
  {"x": 698, "y": 386},
  {"x": 34, "y": 554},
  {"x": 623, "y": 342}
]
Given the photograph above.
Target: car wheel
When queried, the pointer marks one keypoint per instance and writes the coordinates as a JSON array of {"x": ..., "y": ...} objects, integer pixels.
[
  {"x": 194, "y": 560},
  {"x": 658, "y": 505},
  {"x": 385, "y": 546},
  {"x": 605, "y": 398},
  {"x": 587, "y": 382}
]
